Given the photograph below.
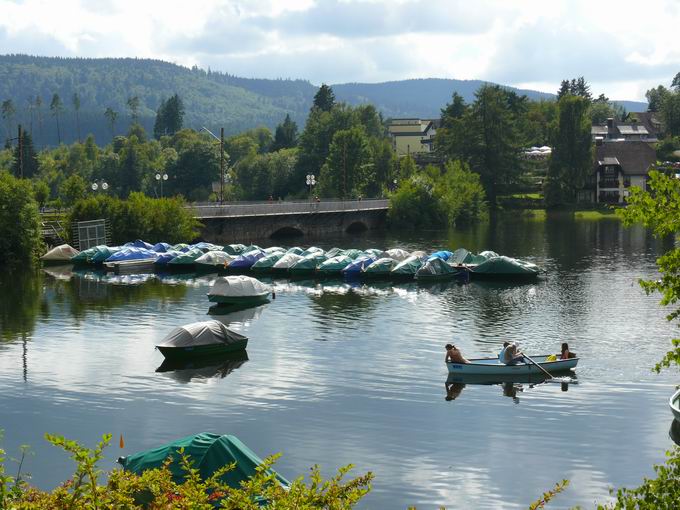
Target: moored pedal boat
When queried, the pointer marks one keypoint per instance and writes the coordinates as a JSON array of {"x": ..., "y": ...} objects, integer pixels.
[
  {"x": 675, "y": 405},
  {"x": 493, "y": 366}
]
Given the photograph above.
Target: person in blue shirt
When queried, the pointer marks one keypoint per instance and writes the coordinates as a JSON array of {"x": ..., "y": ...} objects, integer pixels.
[{"x": 501, "y": 355}]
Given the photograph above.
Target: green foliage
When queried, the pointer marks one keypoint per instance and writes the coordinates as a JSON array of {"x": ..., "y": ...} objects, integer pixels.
[
  {"x": 72, "y": 189},
  {"x": 576, "y": 87},
  {"x": 324, "y": 99},
  {"x": 20, "y": 236},
  {"x": 345, "y": 173},
  {"x": 286, "y": 135},
  {"x": 433, "y": 199},
  {"x": 655, "y": 98},
  {"x": 659, "y": 210},
  {"x": 660, "y": 493},
  {"x": 169, "y": 116},
  {"x": 549, "y": 495},
  {"x": 666, "y": 149},
  {"x": 262, "y": 175},
  {"x": 571, "y": 161},
  {"x": 139, "y": 217},
  {"x": 41, "y": 192},
  {"x": 155, "y": 489},
  {"x": 25, "y": 164}
]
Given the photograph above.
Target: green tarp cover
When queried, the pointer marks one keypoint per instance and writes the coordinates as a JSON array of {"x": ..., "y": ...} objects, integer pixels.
[
  {"x": 187, "y": 258},
  {"x": 334, "y": 252},
  {"x": 335, "y": 264},
  {"x": 435, "y": 267},
  {"x": 86, "y": 256},
  {"x": 312, "y": 249},
  {"x": 234, "y": 249},
  {"x": 380, "y": 266},
  {"x": 209, "y": 452},
  {"x": 268, "y": 261},
  {"x": 309, "y": 262},
  {"x": 375, "y": 252},
  {"x": 506, "y": 265},
  {"x": 409, "y": 266},
  {"x": 353, "y": 253},
  {"x": 296, "y": 250},
  {"x": 461, "y": 256}
]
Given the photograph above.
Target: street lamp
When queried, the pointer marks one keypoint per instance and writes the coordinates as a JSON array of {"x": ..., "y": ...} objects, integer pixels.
[
  {"x": 311, "y": 181},
  {"x": 100, "y": 184},
  {"x": 161, "y": 178},
  {"x": 221, "y": 142}
]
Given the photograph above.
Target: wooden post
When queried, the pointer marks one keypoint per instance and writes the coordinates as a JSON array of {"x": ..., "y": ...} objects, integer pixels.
[
  {"x": 20, "y": 139},
  {"x": 221, "y": 165}
]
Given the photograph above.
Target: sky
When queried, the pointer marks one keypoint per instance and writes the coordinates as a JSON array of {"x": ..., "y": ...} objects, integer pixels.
[{"x": 621, "y": 47}]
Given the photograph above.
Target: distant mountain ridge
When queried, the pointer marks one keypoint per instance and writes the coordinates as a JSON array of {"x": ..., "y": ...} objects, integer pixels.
[{"x": 211, "y": 99}]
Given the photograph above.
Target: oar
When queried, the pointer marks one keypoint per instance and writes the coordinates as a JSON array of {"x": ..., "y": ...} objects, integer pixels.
[{"x": 550, "y": 376}]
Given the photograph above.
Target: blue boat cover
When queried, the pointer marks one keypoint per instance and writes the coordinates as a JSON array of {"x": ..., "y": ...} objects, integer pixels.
[
  {"x": 161, "y": 247},
  {"x": 358, "y": 265},
  {"x": 442, "y": 254},
  {"x": 246, "y": 260},
  {"x": 131, "y": 253},
  {"x": 138, "y": 244},
  {"x": 165, "y": 258}
]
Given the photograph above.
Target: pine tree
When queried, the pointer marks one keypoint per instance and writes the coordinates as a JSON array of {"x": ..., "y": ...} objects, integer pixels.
[
  {"x": 111, "y": 116},
  {"x": 56, "y": 107},
  {"x": 324, "y": 99},
  {"x": 25, "y": 164},
  {"x": 8, "y": 112},
  {"x": 133, "y": 104},
  {"x": 564, "y": 89},
  {"x": 286, "y": 134},
  {"x": 76, "y": 109}
]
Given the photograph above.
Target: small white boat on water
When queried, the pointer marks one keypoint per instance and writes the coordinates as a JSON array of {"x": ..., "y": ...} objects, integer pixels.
[
  {"x": 493, "y": 366},
  {"x": 675, "y": 405}
]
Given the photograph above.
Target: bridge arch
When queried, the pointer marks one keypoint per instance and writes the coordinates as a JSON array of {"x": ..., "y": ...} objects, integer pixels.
[
  {"x": 288, "y": 231},
  {"x": 356, "y": 226}
]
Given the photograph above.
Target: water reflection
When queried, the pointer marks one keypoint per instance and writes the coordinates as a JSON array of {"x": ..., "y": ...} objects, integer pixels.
[
  {"x": 674, "y": 432},
  {"x": 22, "y": 302},
  {"x": 511, "y": 385},
  {"x": 200, "y": 370},
  {"x": 234, "y": 314}
]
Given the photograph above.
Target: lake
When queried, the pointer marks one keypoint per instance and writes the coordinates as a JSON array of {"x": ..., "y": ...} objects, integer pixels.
[{"x": 340, "y": 373}]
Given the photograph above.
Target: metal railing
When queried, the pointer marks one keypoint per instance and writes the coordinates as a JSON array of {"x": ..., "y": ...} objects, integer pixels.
[{"x": 235, "y": 209}]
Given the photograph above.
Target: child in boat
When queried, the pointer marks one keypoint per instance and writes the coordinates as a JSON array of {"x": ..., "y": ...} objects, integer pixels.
[
  {"x": 566, "y": 354},
  {"x": 501, "y": 355},
  {"x": 454, "y": 355}
]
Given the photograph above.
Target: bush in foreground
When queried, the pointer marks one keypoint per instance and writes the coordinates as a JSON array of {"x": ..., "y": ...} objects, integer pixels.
[
  {"x": 140, "y": 217},
  {"x": 20, "y": 236}
]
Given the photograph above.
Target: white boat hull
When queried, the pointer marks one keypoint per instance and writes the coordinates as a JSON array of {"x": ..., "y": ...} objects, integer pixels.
[
  {"x": 492, "y": 366},
  {"x": 675, "y": 405}
]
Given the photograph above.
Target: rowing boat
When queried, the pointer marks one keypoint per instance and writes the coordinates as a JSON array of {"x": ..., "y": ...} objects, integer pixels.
[
  {"x": 493, "y": 366},
  {"x": 674, "y": 403}
]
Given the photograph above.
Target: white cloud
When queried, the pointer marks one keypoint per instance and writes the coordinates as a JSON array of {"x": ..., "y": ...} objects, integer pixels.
[{"x": 621, "y": 47}]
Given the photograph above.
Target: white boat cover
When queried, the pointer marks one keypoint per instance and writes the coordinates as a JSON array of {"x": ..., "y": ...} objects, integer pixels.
[
  {"x": 398, "y": 254},
  {"x": 418, "y": 253},
  {"x": 200, "y": 333},
  {"x": 287, "y": 261},
  {"x": 61, "y": 253},
  {"x": 273, "y": 249},
  {"x": 238, "y": 286},
  {"x": 215, "y": 258}
]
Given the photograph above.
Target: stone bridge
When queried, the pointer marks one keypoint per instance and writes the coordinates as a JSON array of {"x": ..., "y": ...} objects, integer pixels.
[{"x": 243, "y": 221}]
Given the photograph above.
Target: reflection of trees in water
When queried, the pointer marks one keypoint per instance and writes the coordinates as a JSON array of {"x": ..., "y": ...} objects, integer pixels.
[
  {"x": 84, "y": 294},
  {"x": 350, "y": 304},
  {"x": 21, "y": 303}
]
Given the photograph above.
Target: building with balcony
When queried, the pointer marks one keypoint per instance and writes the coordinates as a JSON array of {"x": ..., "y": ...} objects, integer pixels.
[
  {"x": 412, "y": 136},
  {"x": 617, "y": 167},
  {"x": 642, "y": 127}
]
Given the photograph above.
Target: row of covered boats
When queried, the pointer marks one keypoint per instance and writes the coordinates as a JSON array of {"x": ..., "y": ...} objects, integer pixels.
[{"x": 237, "y": 258}]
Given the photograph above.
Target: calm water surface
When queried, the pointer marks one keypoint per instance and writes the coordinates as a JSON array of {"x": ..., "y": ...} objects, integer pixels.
[{"x": 338, "y": 373}]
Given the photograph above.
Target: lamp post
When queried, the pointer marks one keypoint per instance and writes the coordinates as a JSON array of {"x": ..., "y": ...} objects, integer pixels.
[
  {"x": 100, "y": 183},
  {"x": 311, "y": 182},
  {"x": 161, "y": 178},
  {"x": 222, "y": 158}
]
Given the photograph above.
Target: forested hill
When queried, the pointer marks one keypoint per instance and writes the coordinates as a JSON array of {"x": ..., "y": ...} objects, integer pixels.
[{"x": 211, "y": 99}]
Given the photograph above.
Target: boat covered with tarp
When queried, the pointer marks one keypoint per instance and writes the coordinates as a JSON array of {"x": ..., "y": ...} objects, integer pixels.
[
  {"x": 164, "y": 258},
  {"x": 504, "y": 267},
  {"x": 312, "y": 249},
  {"x": 334, "y": 252},
  {"x": 138, "y": 244},
  {"x": 234, "y": 249},
  {"x": 60, "y": 254},
  {"x": 353, "y": 253},
  {"x": 409, "y": 267},
  {"x": 161, "y": 247},
  {"x": 295, "y": 250},
  {"x": 375, "y": 253},
  {"x": 334, "y": 265},
  {"x": 206, "y": 247},
  {"x": 441, "y": 254},
  {"x": 131, "y": 253},
  {"x": 308, "y": 263},
  {"x": 246, "y": 260},
  {"x": 286, "y": 262},
  {"x": 86, "y": 256},
  {"x": 267, "y": 262},
  {"x": 381, "y": 268},
  {"x": 238, "y": 289},
  {"x": 397, "y": 254},
  {"x": 214, "y": 260},
  {"x": 436, "y": 268},
  {"x": 186, "y": 259},
  {"x": 201, "y": 339},
  {"x": 208, "y": 453},
  {"x": 494, "y": 366},
  {"x": 358, "y": 265}
]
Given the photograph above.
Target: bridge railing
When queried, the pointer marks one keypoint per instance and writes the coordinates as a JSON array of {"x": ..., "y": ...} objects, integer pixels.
[{"x": 235, "y": 209}]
